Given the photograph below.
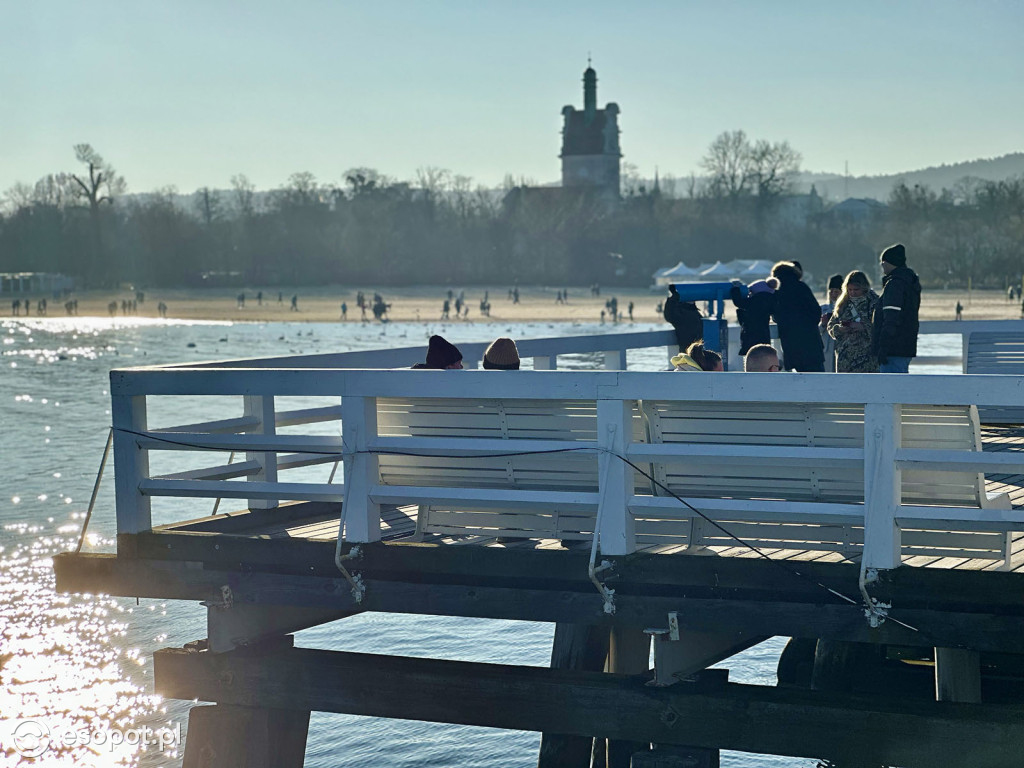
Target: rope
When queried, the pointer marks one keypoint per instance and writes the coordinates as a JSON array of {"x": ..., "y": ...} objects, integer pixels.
[{"x": 95, "y": 490}]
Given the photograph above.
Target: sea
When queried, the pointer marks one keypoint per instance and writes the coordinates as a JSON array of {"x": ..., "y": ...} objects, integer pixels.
[{"x": 76, "y": 671}]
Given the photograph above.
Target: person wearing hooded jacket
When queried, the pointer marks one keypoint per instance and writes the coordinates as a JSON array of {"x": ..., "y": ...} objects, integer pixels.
[
  {"x": 754, "y": 312},
  {"x": 797, "y": 313},
  {"x": 895, "y": 322}
]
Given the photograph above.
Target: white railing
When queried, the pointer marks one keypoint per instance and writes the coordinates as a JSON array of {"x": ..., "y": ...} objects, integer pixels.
[{"x": 271, "y": 453}]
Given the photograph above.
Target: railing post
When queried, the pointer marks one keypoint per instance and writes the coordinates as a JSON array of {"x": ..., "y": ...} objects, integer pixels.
[
  {"x": 617, "y": 531},
  {"x": 261, "y": 408},
  {"x": 358, "y": 428},
  {"x": 882, "y": 485},
  {"x": 545, "y": 363},
  {"x": 615, "y": 360},
  {"x": 131, "y": 463}
]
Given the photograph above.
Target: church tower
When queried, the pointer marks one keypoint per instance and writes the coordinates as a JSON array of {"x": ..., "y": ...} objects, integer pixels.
[{"x": 590, "y": 143}]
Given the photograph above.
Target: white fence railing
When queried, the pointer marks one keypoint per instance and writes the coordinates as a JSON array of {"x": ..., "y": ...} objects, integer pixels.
[{"x": 271, "y": 453}]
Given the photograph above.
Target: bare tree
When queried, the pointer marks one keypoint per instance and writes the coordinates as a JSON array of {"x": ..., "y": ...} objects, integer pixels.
[
  {"x": 100, "y": 186},
  {"x": 244, "y": 195},
  {"x": 738, "y": 168},
  {"x": 728, "y": 163},
  {"x": 772, "y": 168}
]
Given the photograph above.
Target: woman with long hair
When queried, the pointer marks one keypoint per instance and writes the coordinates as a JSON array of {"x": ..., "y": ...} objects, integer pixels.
[
  {"x": 696, "y": 358},
  {"x": 850, "y": 326}
]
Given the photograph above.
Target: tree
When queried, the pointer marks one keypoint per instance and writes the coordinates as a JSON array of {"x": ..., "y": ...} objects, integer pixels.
[
  {"x": 738, "y": 168},
  {"x": 100, "y": 186},
  {"x": 728, "y": 163}
]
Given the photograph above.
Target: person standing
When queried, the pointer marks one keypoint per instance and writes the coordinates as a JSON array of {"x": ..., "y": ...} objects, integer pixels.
[
  {"x": 797, "y": 313},
  {"x": 754, "y": 311},
  {"x": 684, "y": 317},
  {"x": 850, "y": 326},
  {"x": 835, "y": 288},
  {"x": 894, "y": 332}
]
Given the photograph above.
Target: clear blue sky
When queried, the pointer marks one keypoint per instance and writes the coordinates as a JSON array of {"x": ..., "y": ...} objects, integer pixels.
[{"x": 190, "y": 92}]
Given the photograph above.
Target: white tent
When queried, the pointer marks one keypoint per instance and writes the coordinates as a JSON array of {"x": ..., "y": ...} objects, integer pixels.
[
  {"x": 718, "y": 271},
  {"x": 759, "y": 268},
  {"x": 675, "y": 274}
]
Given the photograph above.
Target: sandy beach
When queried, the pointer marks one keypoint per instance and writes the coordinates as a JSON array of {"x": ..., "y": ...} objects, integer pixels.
[{"x": 424, "y": 304}]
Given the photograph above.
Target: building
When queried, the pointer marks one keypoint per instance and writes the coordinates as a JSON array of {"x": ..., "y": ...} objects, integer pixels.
[{"x": 590, "y": 143}]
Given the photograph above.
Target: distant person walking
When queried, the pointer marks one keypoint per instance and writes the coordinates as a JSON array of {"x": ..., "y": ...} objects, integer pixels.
[
  {"x": 896, "y": 316},
  {"x": 344, "y": 311},
  {"x": 959, "y": 310},
  {"x": 295, "y": 302},
  {"x": 684, "y": 317},
  {"x": 797, "y": 313}
]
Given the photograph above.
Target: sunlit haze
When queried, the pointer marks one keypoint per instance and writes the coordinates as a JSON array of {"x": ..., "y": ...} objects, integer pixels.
[{"x": 189, "y": 93}]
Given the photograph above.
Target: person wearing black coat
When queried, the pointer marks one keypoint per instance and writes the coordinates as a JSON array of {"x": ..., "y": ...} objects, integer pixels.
[
  {"x": 895, "y": 324},
  {"x": 754, "y": 312},
  {"x": 797, "y": 313},
  {"x": 685, "y": 318}
]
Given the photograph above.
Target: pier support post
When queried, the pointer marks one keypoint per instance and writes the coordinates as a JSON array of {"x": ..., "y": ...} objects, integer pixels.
[
  {"x": 224, "y": 736},
  {"x": 629, "y": 653},
  {"x": 580, "y": 647},
  {"x": 957, "y": 675}
]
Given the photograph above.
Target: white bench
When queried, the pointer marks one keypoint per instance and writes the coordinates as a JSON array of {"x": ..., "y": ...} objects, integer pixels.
[
  {"x": 996, "y": 353},
  {"x": 560, "y": 482},
  {"x": 825, "y": 480},
  {"x": 732, "y": 472}
]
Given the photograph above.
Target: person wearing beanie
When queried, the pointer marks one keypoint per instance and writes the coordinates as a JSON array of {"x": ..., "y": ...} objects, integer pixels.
[
  {"x": 501, "y": 355},
  {"x": 754, "y": 311},
  {"x": 441, "y": 355},
  {"x": 895, "y": 323},
  {"x": 834, "y": 291},
  {"x": 797, "y": 313}
]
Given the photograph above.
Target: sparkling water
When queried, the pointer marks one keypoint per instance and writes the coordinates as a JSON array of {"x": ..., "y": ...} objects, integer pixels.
[{"x": 81, "y": 666}]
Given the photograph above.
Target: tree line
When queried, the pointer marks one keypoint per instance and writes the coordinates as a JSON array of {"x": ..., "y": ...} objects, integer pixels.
[{"x": 439, "y": 227}]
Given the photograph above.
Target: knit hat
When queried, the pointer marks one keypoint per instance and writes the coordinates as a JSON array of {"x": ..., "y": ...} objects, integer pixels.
[
  {"x": 441, "y": 353},
  {"x": 895, "y": 255},
  {"x": 763, "y": 286},
  {"x": 835, "y": 283},
  {"x": 502, "y": 355}
]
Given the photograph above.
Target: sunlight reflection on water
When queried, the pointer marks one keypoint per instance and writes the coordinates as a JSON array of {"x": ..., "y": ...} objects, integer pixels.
[{"x": 85, "y": 662}]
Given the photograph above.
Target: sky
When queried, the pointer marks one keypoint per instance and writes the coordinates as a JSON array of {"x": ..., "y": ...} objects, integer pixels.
[{"x": 188, "y": 93}]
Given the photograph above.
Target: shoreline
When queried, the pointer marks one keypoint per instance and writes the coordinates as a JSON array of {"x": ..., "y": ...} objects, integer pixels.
[{"x": 423, "y": 304}]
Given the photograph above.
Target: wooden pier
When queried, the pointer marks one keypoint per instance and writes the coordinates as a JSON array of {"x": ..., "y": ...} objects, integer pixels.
[{"x": 872, "y": 518}]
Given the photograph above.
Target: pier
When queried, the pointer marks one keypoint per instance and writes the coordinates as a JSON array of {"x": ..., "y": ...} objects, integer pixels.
[{"x": 878, "y": 520}]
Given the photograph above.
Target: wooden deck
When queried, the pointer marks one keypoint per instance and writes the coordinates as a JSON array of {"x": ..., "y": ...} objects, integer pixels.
[{"x": 319, "y": 522}]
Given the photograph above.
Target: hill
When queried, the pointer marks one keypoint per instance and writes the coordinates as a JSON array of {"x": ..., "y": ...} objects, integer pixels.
[{"x": 836, "y": 187}]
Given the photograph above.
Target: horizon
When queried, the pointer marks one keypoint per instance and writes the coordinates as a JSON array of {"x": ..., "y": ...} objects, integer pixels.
[{"x": 187, "y": 95}]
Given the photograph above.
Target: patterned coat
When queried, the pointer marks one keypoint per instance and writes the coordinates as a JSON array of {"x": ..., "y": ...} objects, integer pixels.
[{"x": 853, "y": 349}]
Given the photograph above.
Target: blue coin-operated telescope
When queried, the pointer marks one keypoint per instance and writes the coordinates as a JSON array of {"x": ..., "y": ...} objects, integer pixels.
[{"x": 716, "y": 327}]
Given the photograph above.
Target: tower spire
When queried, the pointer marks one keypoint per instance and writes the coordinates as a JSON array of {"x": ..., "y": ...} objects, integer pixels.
[{"x": 589, "y": 92}]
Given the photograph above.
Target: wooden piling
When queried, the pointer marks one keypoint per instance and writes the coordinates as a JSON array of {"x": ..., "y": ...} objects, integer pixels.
[
  {"x": 579, "y": 647},
  {"x": 226, "y": 736},
  {"x": 957, "y": 675},
  {"x": 629, "y": 653}
]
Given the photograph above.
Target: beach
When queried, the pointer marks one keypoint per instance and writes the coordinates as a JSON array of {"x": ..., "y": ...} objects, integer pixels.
[{"x": 424, "y": 304}]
